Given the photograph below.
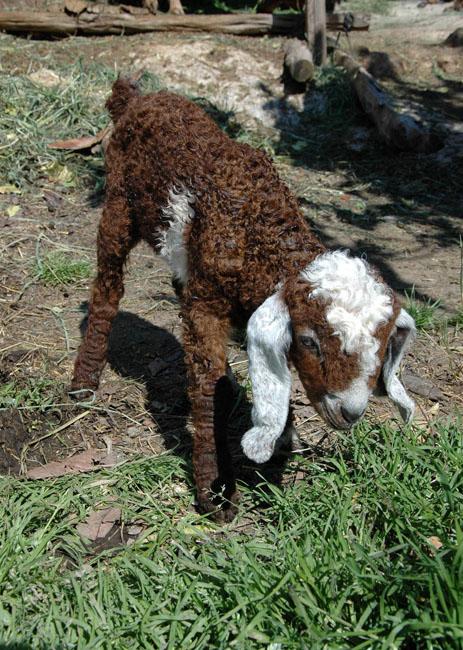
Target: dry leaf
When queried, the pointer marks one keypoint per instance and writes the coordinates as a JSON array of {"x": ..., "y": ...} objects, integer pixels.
[
  {"x": 76, "y": 144},
  {"x": 12, "y": 210},
  {"x": 87, "y": 461},
  {"x": 81, "y": 144},
  {"x": 99, "y": 523},
  {"x": 434, "y": 410},
  {"x": 435, "y": 541},
  {"x": 46, "y": 77},
  {"x": 59, "y": 173},
  {"x": 9, "y": 189}
]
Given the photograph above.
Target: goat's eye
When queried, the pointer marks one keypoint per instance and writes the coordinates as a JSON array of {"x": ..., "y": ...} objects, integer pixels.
[{"x": 310, "y": 344}]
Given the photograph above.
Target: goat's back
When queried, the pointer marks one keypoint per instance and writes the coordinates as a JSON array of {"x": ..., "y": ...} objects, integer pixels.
[{"x": 246, "y": 223}]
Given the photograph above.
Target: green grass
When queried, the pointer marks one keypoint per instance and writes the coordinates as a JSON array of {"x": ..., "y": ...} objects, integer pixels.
[
  {"x": 425, "y": 313},
  {"x": 341, "y": 559},
  {"x": 33, "y": 115},
  {"x": 339, "y": 106},
  {"x": 58, "y": 268},
  {"x": 33, "y": 393},
  {"x": 457, "y": 319}
]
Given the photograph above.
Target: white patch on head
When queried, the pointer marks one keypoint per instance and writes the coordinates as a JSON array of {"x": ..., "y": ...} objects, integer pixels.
[
  {"x": 172, "y": 245},
  {"x": 269, "y": 338},
  {"x": 356, "y": 303}
]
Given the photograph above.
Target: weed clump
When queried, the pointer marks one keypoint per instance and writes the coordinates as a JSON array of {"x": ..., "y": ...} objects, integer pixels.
[
  {"x": 457, "y": 319},
  {"x": 35, "y": 393},
  {"x": 57, "y": 269},
  {"x": 424, "y": 313}
]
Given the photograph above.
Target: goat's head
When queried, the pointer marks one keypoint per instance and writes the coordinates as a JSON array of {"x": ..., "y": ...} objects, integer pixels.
[{"x": 346, "y": 334}]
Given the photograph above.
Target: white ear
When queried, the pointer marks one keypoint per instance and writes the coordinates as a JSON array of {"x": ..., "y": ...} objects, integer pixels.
[
  {"x": 269, "y": 338},
  {"x": 397, "y": 346}
]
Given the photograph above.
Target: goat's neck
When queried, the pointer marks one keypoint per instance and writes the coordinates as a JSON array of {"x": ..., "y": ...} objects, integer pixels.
[{"x": 295, "y": 252}]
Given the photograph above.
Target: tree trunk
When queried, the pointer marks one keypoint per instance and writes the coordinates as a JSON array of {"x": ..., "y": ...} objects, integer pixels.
[
  {"x": 58, "y": 23},
  {"x": 298, "y": 60},
  {"x": 398, "y": 130}
]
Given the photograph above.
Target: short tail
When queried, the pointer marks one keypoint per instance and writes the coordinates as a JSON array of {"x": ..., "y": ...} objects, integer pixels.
[{"x": 124, "y": 89}]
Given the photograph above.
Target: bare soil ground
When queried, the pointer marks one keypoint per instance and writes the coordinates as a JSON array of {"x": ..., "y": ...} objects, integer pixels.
[{"x": 402, "y": 211}]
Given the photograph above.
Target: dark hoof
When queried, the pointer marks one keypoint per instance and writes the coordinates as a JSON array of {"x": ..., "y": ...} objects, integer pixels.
[
  {"x": 223, "y": 513},
  {"x": 82, "y": 393}
]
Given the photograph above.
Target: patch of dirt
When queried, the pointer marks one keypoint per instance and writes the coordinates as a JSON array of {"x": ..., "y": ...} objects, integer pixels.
[
  {"x": 13, "y": 437},
  {"x": 408, "y": 23},
  {"x": 242, "y": 79}
]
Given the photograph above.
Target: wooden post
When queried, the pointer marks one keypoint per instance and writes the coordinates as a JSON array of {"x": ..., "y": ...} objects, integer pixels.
[{"x": 315, "y": 22}]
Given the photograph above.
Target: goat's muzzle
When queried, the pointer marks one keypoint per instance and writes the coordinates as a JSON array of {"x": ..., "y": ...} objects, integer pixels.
[{"x": 338, "y": 415}]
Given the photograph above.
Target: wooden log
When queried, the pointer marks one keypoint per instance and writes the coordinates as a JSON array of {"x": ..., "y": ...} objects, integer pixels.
[
  {"x": 60, "y": 24},
  {"x": 298, "y": 60},
  {"x": 455, "y": 39},
  {"x": 315, "y": 16},
  {"x": 398, "y": 130}
]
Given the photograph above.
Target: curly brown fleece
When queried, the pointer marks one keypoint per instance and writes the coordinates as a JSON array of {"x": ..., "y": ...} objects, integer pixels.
[{"x": 247, "y": 236}]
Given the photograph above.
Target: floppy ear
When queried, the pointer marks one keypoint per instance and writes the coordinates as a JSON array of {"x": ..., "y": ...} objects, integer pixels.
[
  {"x": 269, "y": 338},
  {"x": 398, "y": 344}
]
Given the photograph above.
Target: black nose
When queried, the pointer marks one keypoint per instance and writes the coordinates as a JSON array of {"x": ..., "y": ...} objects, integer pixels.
[{"x": 351, "y": 416}]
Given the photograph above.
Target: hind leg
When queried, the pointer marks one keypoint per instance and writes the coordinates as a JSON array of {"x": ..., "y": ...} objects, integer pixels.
[{"x": 115, "y": 240}]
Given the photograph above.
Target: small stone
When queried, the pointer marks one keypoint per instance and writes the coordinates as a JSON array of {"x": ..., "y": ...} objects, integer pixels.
[
  {"x": 422, "y": 387},
  {"x": 134, "y": 432},
  {"x": 133, "y": 531}
]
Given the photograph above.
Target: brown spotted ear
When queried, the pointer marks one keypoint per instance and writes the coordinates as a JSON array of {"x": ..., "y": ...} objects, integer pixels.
[
  {"x": 269, "y": 338},
  {"x": 399, "y": 342}
]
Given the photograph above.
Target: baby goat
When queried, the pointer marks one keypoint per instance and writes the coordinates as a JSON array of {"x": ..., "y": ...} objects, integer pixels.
[{"x": 240, "y": 251}]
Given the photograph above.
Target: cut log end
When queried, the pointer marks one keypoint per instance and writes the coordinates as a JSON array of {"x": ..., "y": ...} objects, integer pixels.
[
  {"x": 298, "y": 61},
  {"x": 303, "y": 71}
]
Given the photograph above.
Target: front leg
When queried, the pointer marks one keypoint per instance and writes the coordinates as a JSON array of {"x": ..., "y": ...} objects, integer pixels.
[{"x": 205, "y": 339}]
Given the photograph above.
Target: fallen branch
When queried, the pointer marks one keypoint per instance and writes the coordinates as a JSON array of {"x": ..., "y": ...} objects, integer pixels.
[
  {"x": 57, "y": 23},
  {"x": 398, "y": 130}
]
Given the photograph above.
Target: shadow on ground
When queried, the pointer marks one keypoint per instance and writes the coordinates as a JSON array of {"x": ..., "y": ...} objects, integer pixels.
[
  {"x": 151, "y": 355},
  {"x": 413, "y": 189}
]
